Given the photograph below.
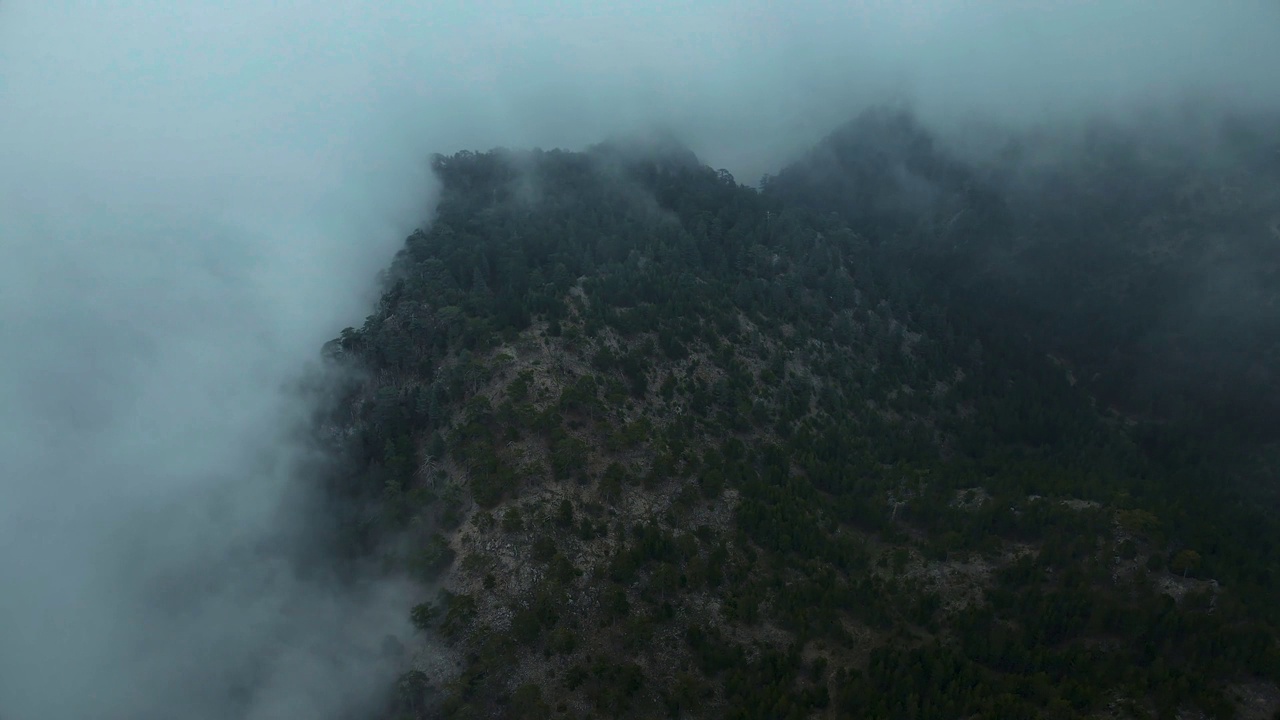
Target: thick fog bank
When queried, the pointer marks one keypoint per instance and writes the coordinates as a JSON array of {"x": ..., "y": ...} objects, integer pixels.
[{"x": 191, "y": 202}]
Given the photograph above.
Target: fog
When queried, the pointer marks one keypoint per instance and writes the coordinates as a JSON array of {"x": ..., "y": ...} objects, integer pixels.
[{"x": 194, "y": 196}]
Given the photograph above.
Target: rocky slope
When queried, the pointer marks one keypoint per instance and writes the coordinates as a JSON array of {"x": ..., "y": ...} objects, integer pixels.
[{"x": 657, "y": 444}]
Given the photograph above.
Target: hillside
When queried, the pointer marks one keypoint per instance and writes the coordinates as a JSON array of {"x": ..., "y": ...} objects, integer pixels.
[
  {"x": 1144, "y": 256},
  {"x": 660, "y": 445}
]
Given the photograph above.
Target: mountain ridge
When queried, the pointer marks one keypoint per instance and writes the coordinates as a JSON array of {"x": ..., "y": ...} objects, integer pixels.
[{"x": 667, "y": 445}]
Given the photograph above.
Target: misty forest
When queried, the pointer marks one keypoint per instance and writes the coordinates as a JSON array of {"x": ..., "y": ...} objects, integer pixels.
[
  {"x": 932, "y": 420},
  {"x": 671, "y": 446}
]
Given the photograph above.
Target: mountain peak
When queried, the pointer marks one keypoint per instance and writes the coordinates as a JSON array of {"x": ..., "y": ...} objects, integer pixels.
[{"x": 655, "y": 146}]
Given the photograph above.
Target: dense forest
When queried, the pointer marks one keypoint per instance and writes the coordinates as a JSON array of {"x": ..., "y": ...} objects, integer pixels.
[
  {"x": 659, "y": 444},
  {"x": 1144, "y": 255}
]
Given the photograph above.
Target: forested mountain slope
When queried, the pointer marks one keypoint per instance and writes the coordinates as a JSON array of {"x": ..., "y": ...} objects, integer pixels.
[
  {"x": 1145, "y": 255},
  {"x": 660, "y": 445}
]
